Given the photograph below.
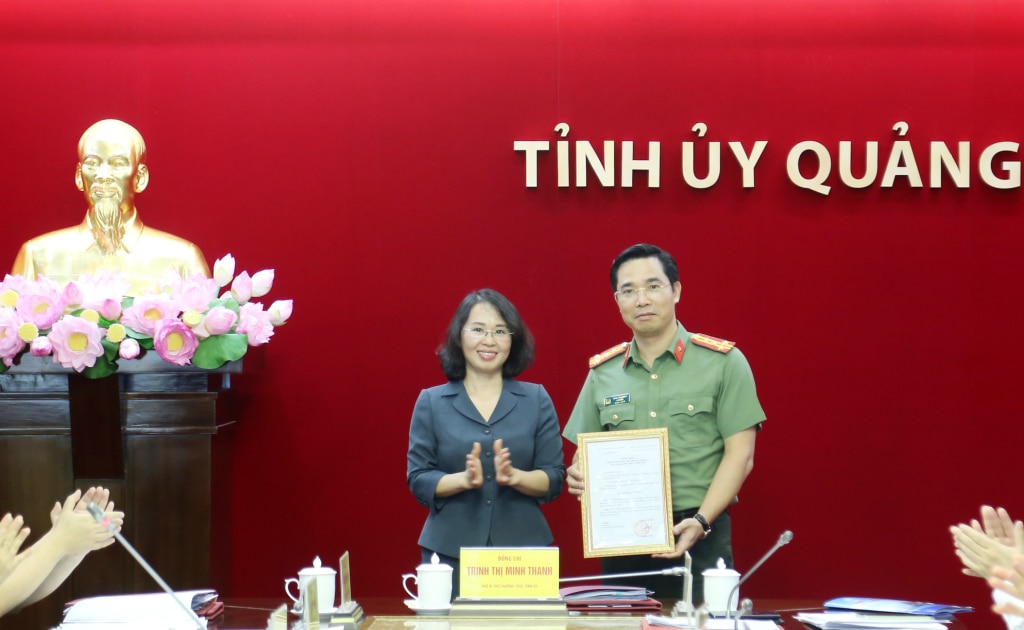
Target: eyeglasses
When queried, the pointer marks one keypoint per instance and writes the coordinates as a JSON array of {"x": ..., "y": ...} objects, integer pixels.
[
  {"x": 478, "y": 333},
  {"x": 632, "y": 293}
]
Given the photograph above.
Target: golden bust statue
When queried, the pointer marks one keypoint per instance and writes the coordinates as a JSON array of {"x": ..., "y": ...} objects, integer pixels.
[{"x": 111, "y": 171}]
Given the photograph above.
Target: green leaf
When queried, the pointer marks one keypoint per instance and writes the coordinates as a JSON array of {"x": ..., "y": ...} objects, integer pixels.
[
  {"x": 229, "y": 303},
  {"x": 215, "y": 351},
  {"x": 102, "y": 368},
  {"x": 145, "y": 341},
  {"x": 109, "y": 350}
]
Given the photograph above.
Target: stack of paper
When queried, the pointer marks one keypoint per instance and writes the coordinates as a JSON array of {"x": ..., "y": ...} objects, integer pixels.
[
  {"x": 156, "y": 611},
  {"x": 586, "y": 592},
  {"x": 655, "y": 621},
  {"x": 880, "y": 605},
  {"x": 870, "y": 621},
  {"x": 605, "y": 598}
]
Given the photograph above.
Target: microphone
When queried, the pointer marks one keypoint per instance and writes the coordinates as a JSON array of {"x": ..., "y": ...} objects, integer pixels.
[
  {"x": 102, "y": 519},
  {"x": 783, "y": 540},
  {"x": 669, "y": 571}
]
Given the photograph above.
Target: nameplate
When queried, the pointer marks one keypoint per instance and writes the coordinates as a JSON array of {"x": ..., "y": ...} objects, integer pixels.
[{"x": 508, "y": 573}]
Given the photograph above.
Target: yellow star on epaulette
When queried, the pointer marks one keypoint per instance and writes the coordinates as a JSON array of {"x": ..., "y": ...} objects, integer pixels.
[
  {"x": 600, "y": 358},
  {"x": 714, "y": 343}
]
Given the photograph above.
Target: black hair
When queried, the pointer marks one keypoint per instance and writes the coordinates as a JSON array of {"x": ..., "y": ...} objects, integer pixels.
[
  {"x": 520, "y": 355},
  {"x": 643, "y": 250}
]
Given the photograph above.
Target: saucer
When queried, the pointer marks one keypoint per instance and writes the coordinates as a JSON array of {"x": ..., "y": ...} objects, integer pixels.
[{"x": 423, "y": 610}]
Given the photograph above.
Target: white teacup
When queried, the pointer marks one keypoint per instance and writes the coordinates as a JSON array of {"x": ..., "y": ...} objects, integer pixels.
[
  {"x": 325, "y": 579},
  {"x": 718, "y": 584},
  {"x": 433, "y": 585}
]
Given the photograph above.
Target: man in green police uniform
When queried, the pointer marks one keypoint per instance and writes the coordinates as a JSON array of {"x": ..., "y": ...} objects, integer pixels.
[{"x": 700, "y": 388}]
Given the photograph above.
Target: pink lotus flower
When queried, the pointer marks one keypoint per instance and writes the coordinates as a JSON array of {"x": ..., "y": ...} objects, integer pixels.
[
  {"x": 76, "y": 342},
  {"x": 280, "y": 311},
  {"x": 110, "y": 309},
  {"x": 224, "y": 270},
  {"x": 102, "y": 286},
  {"x": 129, "y": 349},
  {"x": 195, "y": 293},
  {"x": 255, "y": 324},
  {"x": 40, "y": 303},
  {"x": 147, "y": 310},
  {"x": 35, "y": 316},
  {"x": 241, "y": 288},
  {"x": 219, "y": 320},
  {"x": 174, "y": 341},
  {"x": 262, "y": 282},
  {"x": 40, "y": 347},
  {"x": 72, "y": 295},
  {"x": 15, "y": 283},
  {"x": 10, "y": 343}
]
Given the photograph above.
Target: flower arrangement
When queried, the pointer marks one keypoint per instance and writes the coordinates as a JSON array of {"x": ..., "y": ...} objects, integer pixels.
[{"x": 90, "y": 324}]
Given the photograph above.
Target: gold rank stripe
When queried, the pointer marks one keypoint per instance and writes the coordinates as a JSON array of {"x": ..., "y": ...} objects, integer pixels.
[
  {"x": 598, "y": 359},
  {"x": 716, "y": 344}
]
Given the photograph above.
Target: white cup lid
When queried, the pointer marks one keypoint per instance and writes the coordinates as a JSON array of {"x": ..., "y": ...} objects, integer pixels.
[{"x": 720, "y": 573}]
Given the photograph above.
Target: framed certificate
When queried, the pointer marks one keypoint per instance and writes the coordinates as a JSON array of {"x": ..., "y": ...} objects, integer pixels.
[{"x": 627, "y": 498}]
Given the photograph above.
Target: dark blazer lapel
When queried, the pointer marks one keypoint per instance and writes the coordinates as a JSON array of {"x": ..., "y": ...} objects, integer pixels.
[
  {"x": 462, "y": 403},
  {"x": 510, "y": 393}
]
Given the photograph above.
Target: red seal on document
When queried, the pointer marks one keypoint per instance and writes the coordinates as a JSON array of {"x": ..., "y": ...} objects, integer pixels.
[{"x": 642, "y": 528}]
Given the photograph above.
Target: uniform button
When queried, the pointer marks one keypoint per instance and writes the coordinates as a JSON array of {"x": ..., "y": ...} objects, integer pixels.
[
  {"x": 689, "y": 407},
  {"x": 615, "y": 416},
  {"x": 654, "y": 414},
  {"x": 488, "y": 453},
  {"x": 654, "y": 376},
  {"x": 487, "y": 431},
  {"x": 488, "y": 502},
  {"x": 488, "y": 477}
]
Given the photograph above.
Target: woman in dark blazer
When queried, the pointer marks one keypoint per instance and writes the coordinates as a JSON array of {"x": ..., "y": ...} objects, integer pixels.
[{"x": 484, "y": 449}]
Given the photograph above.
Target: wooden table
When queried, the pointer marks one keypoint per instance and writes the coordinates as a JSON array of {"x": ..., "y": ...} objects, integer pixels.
[{"x": 392, "y": 614}]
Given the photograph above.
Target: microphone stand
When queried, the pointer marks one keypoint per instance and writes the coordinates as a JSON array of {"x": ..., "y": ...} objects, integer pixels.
[
  {"x": 783, "y": 540},
  {"x": 746, "y": 605},
  {"x": 684, "y": 607},
  {"x": 102, "y": 519},
  {"x": 670, "y": 571}
]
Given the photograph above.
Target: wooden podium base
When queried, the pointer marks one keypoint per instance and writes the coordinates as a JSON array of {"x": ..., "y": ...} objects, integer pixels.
[{"x": 149, "y": 433}]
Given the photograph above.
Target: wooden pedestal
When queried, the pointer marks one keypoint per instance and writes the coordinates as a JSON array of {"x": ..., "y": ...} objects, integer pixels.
[{"x": 153, "y": 433}]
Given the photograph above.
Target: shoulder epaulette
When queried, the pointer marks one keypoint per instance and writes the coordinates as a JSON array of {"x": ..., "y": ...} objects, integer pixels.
[
  {"x": 600, "y": 358},
  {"x": 716, "y": 344}
]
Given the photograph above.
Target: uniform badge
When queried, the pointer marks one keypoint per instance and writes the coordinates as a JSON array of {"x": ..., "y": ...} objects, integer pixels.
[
  {"x": 679, "y": 350},
  {"x": 617, "y": 399}
]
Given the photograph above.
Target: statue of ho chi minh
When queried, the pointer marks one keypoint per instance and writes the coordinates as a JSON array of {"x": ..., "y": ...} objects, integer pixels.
[{"x": 111, "y": 171}]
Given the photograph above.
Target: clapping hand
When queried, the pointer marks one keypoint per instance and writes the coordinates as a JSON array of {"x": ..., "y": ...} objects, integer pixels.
[
  {"x": 12, "y": 535},
  {"x": 992, "y": 542},
  {"x": 474, "y": 472}
]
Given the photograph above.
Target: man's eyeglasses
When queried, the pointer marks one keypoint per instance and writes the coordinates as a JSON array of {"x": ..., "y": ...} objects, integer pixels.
[
  {"x": 478, "y": 333},
  {"x": 632, "y": 293}
]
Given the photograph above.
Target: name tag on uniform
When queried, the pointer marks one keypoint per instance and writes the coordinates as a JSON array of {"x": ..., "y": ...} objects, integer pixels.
[{"x": 617, "y": 399}]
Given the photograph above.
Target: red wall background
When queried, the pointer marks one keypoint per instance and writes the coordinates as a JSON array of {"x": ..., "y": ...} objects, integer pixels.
[{"x": 364, "y": 149}]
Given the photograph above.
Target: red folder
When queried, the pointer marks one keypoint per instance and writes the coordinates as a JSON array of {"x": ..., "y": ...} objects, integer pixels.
[{"x": 609, "y": 599}]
